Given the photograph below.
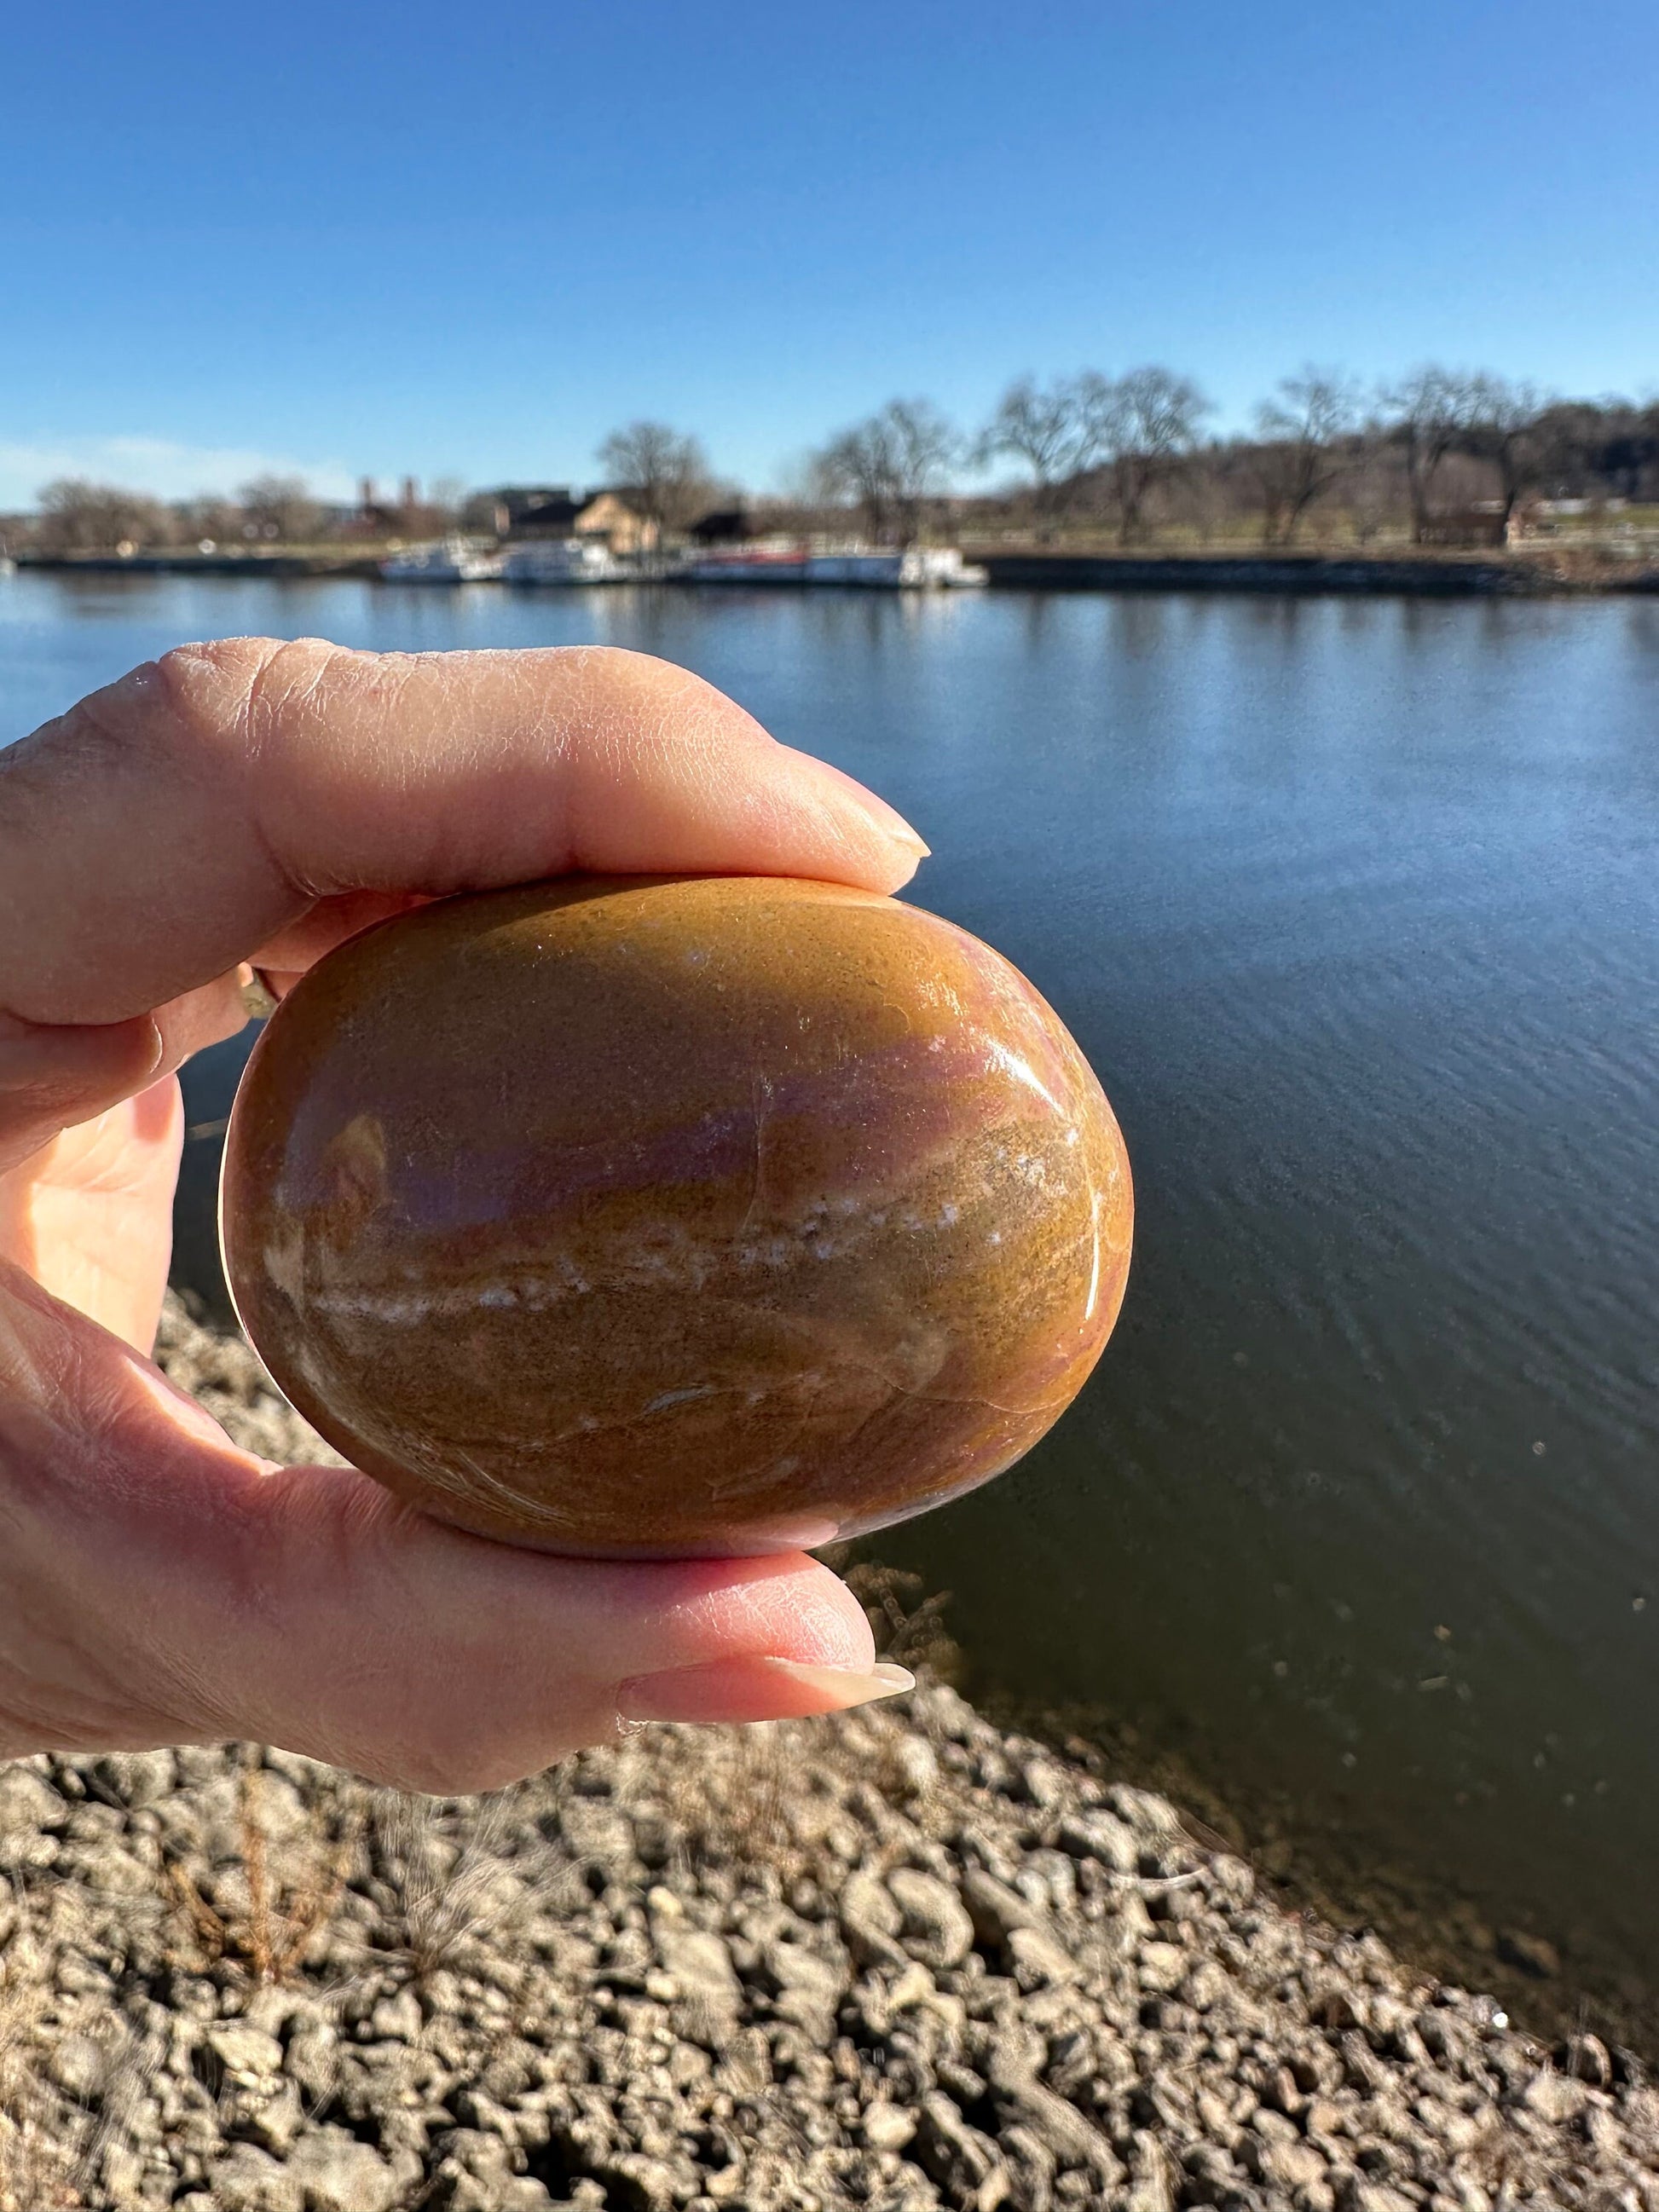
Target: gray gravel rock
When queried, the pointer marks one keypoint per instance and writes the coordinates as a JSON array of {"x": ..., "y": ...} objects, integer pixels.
[
  {"x": 1101, "y": 1835},
  {"x": 901, "y": 1960},
  {"x": 248, "y": 2179},
  {"x": 871, "y": 1918},
  {"x": 935, "y": 1927},
  {"x": 337, "y": 2173}
]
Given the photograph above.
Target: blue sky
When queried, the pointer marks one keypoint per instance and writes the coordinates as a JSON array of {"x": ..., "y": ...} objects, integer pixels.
[{"x": 379, "y": 239}]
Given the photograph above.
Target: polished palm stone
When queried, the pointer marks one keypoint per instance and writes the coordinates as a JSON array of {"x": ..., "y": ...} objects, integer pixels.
[{"x": 658, "y": 1216}]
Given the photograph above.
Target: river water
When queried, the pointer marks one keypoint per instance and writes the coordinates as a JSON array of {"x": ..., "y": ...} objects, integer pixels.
[{"x": 1353, "y": 905}]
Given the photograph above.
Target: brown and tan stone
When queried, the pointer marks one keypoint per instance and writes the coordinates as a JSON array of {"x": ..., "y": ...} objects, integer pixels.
[{"x": 652, "y": 1216}]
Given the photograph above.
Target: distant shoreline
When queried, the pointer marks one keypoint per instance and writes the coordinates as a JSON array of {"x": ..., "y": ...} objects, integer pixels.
[
  {"x": 206, "y": 564},
  {"x": 1418, "y": 575},
  {"x": 1411, "y": 574}
]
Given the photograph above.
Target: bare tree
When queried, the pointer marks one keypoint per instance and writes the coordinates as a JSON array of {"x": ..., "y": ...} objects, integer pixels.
[
  {"x": 210, "y": 519},
  {"x": 1503, "y": 427},
  {"x": 665, "y": 473},
  {"x": 1143, "y": 424},
  {"x": 856, "y": 469},
  {"x": 79, "y": 517},
  {"x": 1049, "y": 429},
  {"x": 1370, "y": 488},
  {"x": 1308, "y": 441},
  {"x": 281, "y": 507},
  {"x": 1628, "y": 457},
  {"x": 890, "y": 467},
  {"x": 925, "y": 445},
  {"x": 1429, "y": 414}
]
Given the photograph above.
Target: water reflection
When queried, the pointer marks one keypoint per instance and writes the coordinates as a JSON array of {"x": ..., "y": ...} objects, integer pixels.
[{"x": 1353, "y": 905}]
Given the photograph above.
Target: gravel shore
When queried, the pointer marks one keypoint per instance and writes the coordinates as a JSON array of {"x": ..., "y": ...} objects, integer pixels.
[{"x": 901, "y": 1958}]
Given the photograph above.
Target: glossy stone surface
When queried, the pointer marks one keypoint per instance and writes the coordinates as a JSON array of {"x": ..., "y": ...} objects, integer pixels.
[{"x": 657, "y": 1216}]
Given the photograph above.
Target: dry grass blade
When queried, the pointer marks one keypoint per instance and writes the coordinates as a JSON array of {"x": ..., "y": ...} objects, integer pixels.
[
  {"x": 268, "y": 1941},
  {"x": 447, "y": 1883},
  {"x": 36, "y": 2169},
  {"x": 731, "y": 1798},
  {"x": 207, "y": 1925}
]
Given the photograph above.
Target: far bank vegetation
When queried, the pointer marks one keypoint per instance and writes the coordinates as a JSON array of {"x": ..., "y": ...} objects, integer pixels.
[{"x": 1441, "y": 458}]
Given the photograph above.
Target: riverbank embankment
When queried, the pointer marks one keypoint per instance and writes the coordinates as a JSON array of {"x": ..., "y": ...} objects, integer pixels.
[
  {"x": 1447, "y": 575},
  {"x": 1443, "y": 576},
  {"x": 189, "y": 563},
  {"x": 901, "y": 1958}
]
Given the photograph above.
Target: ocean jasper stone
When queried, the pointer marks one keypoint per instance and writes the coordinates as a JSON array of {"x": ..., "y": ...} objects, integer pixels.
[{"x": 636, "y": 1215}]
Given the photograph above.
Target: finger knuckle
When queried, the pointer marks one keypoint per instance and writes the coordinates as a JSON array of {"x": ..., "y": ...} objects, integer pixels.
[
  {"x": 204, "y": 686},
  {"x": 228, "y": 690}
]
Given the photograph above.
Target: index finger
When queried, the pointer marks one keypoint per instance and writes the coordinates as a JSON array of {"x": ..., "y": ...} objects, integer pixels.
[{"x": 173, "y": 824}]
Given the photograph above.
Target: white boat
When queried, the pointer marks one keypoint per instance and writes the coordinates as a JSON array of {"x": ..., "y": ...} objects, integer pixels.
[
  {"x": 921, "y": 568},
  {"x": 451, "y": 560},
  {"x": 940, "y": 568},
  {"x": 563, "y": 560}
]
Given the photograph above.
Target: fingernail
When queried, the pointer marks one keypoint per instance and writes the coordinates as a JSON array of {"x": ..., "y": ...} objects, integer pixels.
[
  {"x": 900, "y": 832},
  {"x": 848, "y": 1685},
  {"x": 757, "y": 1689},
  {"x": 888, "y": 819},
  {"x": 156, "y": 1045}
]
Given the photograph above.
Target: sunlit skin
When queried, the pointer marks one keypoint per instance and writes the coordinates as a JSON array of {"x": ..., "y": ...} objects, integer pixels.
[{"x": 251, "y": 804}]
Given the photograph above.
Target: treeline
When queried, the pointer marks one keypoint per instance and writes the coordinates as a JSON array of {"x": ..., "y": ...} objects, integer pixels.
[
  {"x": 1441, "y": 457},
  {"x": 75, "y": 515}
]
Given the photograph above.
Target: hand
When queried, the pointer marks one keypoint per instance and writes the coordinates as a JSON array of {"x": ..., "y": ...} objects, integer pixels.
[{"x": 255, "y": 802}]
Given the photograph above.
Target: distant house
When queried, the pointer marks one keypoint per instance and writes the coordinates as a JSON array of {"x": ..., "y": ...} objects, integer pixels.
[
  {"x": 725, "y": 525},
  {"x": 524, "y": 514},
  {"x": 532, "y": 511},
  {"x": 609, "y": 515}
]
